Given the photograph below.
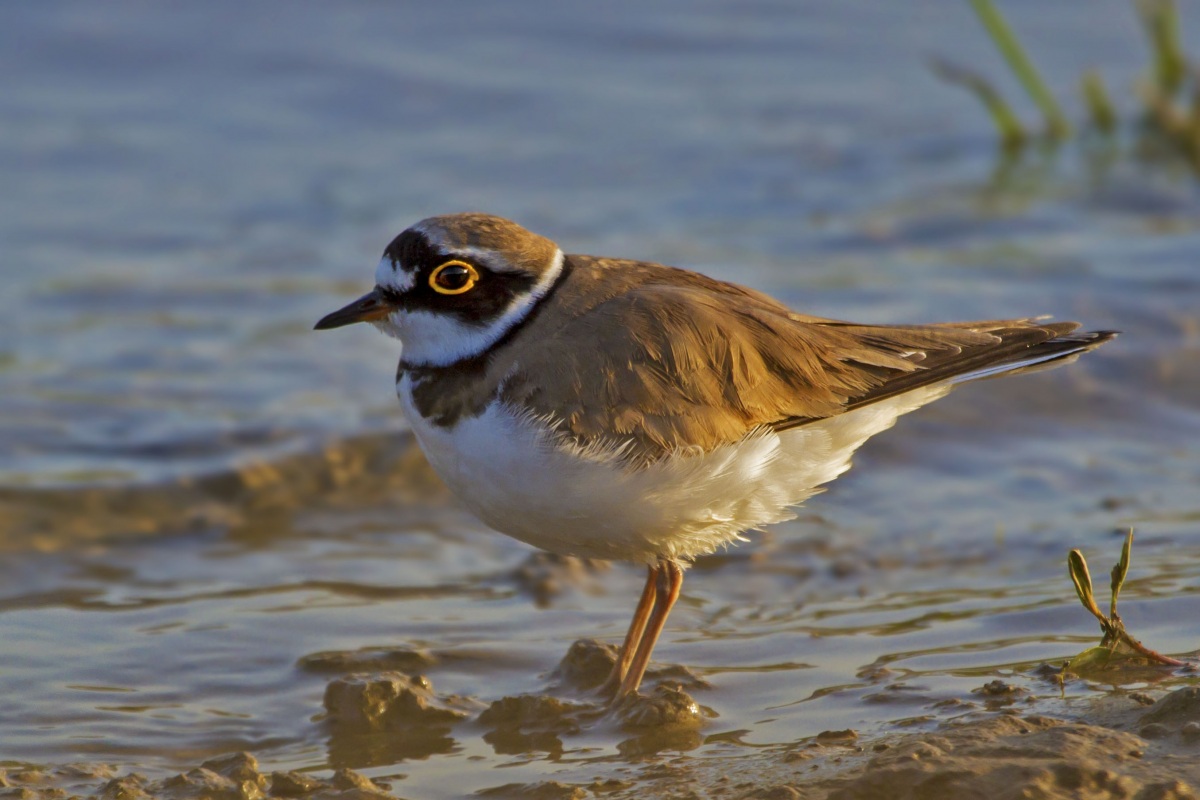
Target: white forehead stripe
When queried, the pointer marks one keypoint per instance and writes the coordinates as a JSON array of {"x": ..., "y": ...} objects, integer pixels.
[
  {"x": 391, "y": 276},
  {"x": 439, "y": 340},
  {"x": 481, "y": 255},
  {"x": 437, "y": 237}
]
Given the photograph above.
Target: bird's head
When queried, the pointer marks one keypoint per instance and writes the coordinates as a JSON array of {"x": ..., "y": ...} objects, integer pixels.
[{"x": 450, "y": 287}]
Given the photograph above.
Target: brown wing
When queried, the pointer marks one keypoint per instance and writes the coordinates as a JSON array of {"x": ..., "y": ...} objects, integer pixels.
[
  {"x": 1017, "y": 346},
  {"x": 668, "y": 359}
]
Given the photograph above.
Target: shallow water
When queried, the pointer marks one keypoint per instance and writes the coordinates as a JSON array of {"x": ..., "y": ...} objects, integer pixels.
[{"x": 199, "y": 492}]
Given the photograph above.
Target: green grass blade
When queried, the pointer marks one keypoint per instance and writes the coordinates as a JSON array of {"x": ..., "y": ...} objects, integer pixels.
[
  {"x": 1057, "y": 126},
  {"x": 1161, "y": 21},
  {"x": 1008, "y": 125},
  {"x": 1100, "y": 107},
  {"x": 1078, "y": 569},
  {"x": 1119, "y": 572}
]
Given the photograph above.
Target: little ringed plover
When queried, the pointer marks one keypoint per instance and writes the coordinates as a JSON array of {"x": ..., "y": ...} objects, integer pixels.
[{"x": 617, "y": 409}]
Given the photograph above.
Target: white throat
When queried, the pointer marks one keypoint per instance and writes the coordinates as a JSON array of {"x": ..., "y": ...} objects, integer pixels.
[{"x": 430, "y": 339}]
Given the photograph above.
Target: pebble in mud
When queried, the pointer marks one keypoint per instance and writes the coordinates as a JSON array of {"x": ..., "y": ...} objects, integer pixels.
[
  {"x": 239, "y": 767},
  {"x": 546, "y": 790},
  {"x": 532, "y": 723},
  {"x": 230, "y": 777},
  {"x": 901, "y": 694},
  {"x": 534, "y": 710},
  {"x": 384, "y": 701},
  {"x": 345, "y": 783},
  {"x": 236, "y": 777},
  {"x": 586, "y": 664},
  {"x": 351, "y": 782},
  {"x": 666, "y": 706},
  {"x": 1176, "y": 709},
  {"x": 130, "y": 787},
  {"x": 386, "y": 718},
  {"x": 782, "y": 792},
  {"x": 368, "y": 659},
  {"x": 667, "y": 719},
  {"x": 998, "y": 694},
  {"x": 997, "y": 688},
  {"x": 30, "y": 782},
  {"x": 843, "y": 737},
  {"x": 293, "y": 784},
  {"x": 204, "y": 783}
]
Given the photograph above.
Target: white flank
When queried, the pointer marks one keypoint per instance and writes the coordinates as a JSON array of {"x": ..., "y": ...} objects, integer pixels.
[
  {"x": 433, "y": 339},
  {"x": 512, "y": 472}
]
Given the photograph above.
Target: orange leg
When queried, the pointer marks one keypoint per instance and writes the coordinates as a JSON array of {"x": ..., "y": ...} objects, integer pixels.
[
  {"x": 634, "y": 635},
  {"x": 666, "y": 591}
]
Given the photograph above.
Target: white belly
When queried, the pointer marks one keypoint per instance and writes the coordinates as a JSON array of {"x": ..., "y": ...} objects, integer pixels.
[{"x": 512, "y": 473}]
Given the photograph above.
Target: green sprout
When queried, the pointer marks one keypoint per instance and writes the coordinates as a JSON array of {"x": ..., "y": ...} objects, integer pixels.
[
  {"x": 1100, "y": 107},
  {"x": 1116, "y": 643},
  {"x": 1161, "y": 21},
  {"x": 1008, "y": 124},
  {"x": 1006, "y": 41},
  {"x": 1170, "y": 95}
]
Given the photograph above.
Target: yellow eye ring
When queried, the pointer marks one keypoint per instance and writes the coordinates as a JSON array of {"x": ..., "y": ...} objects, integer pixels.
[{"x": 453, "y": 277}]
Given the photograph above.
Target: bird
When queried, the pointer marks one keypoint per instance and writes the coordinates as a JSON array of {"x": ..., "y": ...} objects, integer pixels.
[{"x": 626, "y": 410}]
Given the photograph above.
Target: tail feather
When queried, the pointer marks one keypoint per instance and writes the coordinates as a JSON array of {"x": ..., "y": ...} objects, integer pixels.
[
  {"x": 1019, "y": 349},
  {"x": 1053, "y": 353}
]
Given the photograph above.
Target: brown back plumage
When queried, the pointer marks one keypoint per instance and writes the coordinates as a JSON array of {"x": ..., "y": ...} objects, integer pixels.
[{"x": 655, "y": 359}]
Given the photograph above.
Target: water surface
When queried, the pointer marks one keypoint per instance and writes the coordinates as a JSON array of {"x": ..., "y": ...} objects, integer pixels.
[{"x": 198, "y": 491}]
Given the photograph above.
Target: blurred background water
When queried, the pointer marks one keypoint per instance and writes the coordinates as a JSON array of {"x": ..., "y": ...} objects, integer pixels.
[{"x": 197, "y": 490}]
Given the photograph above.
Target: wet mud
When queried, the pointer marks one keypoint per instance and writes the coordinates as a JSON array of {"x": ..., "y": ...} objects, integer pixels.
[
  {"x": 1139, "y": 752},
  {"x": 217, "y": 539}
]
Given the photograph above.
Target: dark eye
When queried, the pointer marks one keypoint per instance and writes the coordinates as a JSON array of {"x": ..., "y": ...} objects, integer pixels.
[{"x": 453, "y": 277}]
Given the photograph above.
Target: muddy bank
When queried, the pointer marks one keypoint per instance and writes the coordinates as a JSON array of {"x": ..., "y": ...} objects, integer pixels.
[
  {"x": 227, "y": 778},
  {"x": 379, "y": 470},
  {"x": 1123, "y": 745}
]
